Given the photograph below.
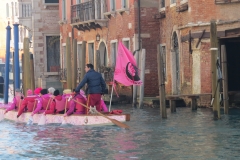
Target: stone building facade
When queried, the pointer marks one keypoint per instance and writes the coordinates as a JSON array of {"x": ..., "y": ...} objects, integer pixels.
[{"x": 40, "y": 18}]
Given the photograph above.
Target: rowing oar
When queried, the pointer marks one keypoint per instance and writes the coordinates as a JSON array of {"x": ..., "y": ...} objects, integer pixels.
[
  {"x": 30, "y": 120},
  {"x": 42, "y": 120},
  {"x": 64, "y": 120},
  {"x": 114, "y": 121}
]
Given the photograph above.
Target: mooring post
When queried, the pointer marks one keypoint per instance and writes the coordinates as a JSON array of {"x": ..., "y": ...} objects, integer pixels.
[
  {"x": 74, "y": 69},
  {"x": 16, "y": 57},
  {"x": 215, "y": 83},
  {"x": 23, "y": 75},
  {"x": 7, "y": 61},
  {"x": 32, "y": 72},
  {"x": 225, "y": 78},
  {"x": 161, "y": 84},
  {"x": 27, "y": 73},
  {"x": 142, "y": 77},
  {"x": 69, "y": 68}
]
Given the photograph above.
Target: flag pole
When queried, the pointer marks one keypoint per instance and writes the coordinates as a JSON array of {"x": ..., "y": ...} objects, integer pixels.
[{"x": 111, "y": 97}]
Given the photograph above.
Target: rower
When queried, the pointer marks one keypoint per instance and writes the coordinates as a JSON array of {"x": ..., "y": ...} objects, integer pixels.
[
  {"x": 58, "y": 104},
  {"x": 28, "y": 104},
  {"x": 51, "y": 91},
  {"x": 43, "y": 102},
  {"x": 16, "y": 102},
  {"x": 76, "y": 108}
]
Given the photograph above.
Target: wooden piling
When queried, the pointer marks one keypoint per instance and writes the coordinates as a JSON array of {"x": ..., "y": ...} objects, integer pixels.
[
  {"x": 27, "y": 75},
  {"x": 74, "y": 69},
  {"x": 161, "y": 84},
  {"x": 69, "y": 68},
  {"x": 142, "y": 77},
  {"x": 83, "y": 60},
  {"x": 225, "y": 78},
  {"x": 32, "y": 72},
  {"x": 23, "y": 79},
  {"x": 215, "y": 84}
]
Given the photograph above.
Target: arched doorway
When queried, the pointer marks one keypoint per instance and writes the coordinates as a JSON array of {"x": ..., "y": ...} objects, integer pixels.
[{"x": 175, "y": 65}]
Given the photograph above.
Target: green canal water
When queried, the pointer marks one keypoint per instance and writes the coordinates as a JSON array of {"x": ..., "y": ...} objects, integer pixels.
[{"x": 183, "y": 135}]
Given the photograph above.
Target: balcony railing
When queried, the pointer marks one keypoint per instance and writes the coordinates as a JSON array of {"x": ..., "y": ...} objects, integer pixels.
[
  {"x": 62, "y": 74},
  {"x": 88, "y": 11},
  {"x": 225, "y": 1}
]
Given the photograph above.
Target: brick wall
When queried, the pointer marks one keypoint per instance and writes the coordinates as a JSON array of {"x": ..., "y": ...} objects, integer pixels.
[{"x": 197, "y": 13}]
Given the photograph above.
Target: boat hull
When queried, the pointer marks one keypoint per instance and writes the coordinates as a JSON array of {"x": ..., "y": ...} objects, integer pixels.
[{"x": 83, "y": 120}]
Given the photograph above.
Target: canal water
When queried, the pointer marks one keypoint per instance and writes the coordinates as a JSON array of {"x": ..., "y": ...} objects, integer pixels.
[{"x": 183, "y": 135}]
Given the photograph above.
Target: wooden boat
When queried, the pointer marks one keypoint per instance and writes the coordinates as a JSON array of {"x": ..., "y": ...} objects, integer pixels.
[{"x": 58, "y": 118}]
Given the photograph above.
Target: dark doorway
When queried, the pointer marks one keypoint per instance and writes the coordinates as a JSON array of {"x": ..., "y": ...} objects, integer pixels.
[{"x": 233, "y": 63}]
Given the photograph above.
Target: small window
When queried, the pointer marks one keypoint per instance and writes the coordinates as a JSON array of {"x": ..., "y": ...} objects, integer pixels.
[
  {"x": 124, "y": 3},
  {"x": 113, "y": 5},
  {"x": 79, "y": 55},
  {"x": 173, "y": 1},
  {"x": 162, "y": 3},
  {"x": 64, "y": 10},
  {"x": 7, "y": 10},
  {"x": 77, "y": 1},
  {"x": 91, "y": 53},
  {"x": 12, "y": 6},
  {"x": 126, "y": 44},
  {"x": 53, "y": 53},
  {"x": 113, "y": 53},
  {"x": 16, "y": 9},
  {"x": 26, "y": 10}
]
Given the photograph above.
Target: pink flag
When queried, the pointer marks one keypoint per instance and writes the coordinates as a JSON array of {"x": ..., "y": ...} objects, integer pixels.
[{"x": 126, "y": 71}]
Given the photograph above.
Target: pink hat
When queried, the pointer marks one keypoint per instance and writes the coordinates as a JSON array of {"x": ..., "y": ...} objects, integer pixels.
[
  {"x": 29, "y": 92},
  {"x": 37, "y": 90}
]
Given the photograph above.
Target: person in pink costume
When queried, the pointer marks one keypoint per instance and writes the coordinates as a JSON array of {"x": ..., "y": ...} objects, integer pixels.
[
  {"x": 16, "y": 102},
  {"x": 28, "y": 103},
  {"x": 42, "y": 102},
  {"x": 76, "y": 108},
  {"x": 57, "y": 105}
]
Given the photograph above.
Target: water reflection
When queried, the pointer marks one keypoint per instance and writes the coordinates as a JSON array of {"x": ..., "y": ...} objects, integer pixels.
[{"x": 184, "y": 135}]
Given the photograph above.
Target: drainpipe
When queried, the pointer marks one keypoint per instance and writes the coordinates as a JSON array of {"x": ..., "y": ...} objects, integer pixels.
[{"x": 134, "y": 88}]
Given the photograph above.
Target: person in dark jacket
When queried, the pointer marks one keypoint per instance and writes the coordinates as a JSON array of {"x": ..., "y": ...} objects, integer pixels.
[{"x": 96, "y": 87}]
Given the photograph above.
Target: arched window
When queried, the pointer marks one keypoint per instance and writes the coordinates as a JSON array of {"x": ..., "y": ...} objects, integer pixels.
[
  {"x": 16, "y": 9},
  {"x": 7, "y": 10},
  {"x": 12, "y": 6}
]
